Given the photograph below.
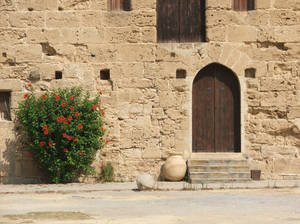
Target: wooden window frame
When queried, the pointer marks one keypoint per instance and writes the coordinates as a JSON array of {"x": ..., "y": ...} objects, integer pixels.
[
  {"x": 5, "y": 102},
  {"x": 243, "y": 5},
  {"x": 119, "y": 5}
]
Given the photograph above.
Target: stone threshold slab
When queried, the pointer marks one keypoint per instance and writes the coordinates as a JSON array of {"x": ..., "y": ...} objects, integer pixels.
[{"x": 217, "y": 156}]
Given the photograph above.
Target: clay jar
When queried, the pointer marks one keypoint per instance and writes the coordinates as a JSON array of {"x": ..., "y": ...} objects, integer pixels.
[{"x": 174, "y": 168}]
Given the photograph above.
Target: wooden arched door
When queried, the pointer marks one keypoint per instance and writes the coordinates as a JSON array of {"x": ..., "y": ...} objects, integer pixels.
[{"x": 216, "y": 110}]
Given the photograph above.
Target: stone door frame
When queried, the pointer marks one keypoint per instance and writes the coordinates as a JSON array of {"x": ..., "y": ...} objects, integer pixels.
[
  {"x": 239, "y": 73},
  {"x": 216, "y": 110}
]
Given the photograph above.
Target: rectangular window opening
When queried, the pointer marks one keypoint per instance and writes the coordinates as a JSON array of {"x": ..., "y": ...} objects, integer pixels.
[
  {"x": 119, "y": 5},
  {"x": 5, "y": 106}
]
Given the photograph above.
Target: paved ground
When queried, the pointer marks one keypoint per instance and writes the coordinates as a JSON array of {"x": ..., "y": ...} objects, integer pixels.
[
  {"x": 254, "y": 206},
  {"x": 82, "y": 187}
]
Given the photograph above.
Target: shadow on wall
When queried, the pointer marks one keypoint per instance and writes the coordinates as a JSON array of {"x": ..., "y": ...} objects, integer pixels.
[{"x": 16, "y": 166}]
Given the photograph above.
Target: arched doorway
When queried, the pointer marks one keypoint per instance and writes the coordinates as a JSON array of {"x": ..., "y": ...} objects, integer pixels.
[{"x": 216, "y": 110}]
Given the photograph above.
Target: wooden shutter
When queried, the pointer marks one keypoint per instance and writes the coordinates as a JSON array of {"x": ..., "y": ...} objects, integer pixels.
[
  {"x": 192, "y": 20},
  {"x": 4, "y": 106},
  {"x": 119, "y": 5},
  {"x": 168, "y": 20},
  {"x": 243, "y": 5}
]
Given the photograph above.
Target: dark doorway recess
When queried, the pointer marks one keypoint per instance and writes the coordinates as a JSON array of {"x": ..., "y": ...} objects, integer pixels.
[{"x": 216, "y": 110}]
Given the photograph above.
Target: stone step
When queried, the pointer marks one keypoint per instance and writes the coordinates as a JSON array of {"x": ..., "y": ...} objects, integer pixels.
[
  {"x": 217, "y": 168},
  {"x": 224, "y": 180},
  {"x": 218, "y": 162},
  {"x": 219, "y": 175}
]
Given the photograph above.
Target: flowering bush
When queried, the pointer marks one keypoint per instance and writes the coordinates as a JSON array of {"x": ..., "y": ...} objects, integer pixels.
[{"x": 64, "y": 129}]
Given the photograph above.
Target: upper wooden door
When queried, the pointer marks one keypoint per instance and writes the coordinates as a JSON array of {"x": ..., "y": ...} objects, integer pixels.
[
  {"x": 216, "y": 110},
  {"x": 181, "y": 20}
]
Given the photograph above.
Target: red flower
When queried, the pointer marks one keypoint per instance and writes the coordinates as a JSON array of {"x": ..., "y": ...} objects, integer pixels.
[
  {"x": 64, "y": 135},
  {"x": 42, "y": 143},
  {"x": 103, "y": 112},
  {"x": 46, "y": 132},
  {"x": 50, "y": 144},
  {"x": 44, "y": 97},
  {"x": 29, "y": 84},
  {"x": 30, "y": 154},
  {"x": 70, "y": 138},
  {"x": 58, "y": 120},
  {"x": 26, "y": 96},
  {"x": 63, "y": 105},
  {"x": 72, "y": 108},
  {"x": 62, "y": 118},
  {"x": 66, "y": 150},
  {"x": 76, "y": 114},
  {"x": 75, "y": 139},
  {"x": 102, "y": 129},
  {"x": 94, "y": 107},
  {"x": 106, "y": 141},
  {"x": 45, "y": 127},
  {"x": 66, "y": 121},
  {"x": 80, "y": 152},
  {"x": 71, "y": 97},
  {"x": 80, "y": 126},
  {"x": 70, "y": 118},
  {"x": 57, "y": 97}
]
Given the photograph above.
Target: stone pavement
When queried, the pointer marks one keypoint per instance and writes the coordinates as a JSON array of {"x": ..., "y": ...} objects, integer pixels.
[
  {"x": 243, "y": 206},
  {"x": 175, "y": 186}
]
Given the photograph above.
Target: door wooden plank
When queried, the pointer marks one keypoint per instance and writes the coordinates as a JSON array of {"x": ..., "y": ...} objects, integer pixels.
[
  {"x": 203, "y": 112},
  {"x": 192, "y": 20},
  {"x": 243, "y": 5},
  {"x": 251, "y": 5},
  {"x": 227, "y": 110},
  {"x": 119, "y": 5},
  {"x": 168, "y": 20},
  {"x": 126, "y": 5},
  {"x": 224, "y": 113}
]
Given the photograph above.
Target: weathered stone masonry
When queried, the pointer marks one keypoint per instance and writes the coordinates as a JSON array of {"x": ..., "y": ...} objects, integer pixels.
[{"x": 148, "y": 108}]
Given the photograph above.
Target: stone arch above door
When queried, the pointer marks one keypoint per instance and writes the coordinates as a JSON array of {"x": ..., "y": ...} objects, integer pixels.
[{"x": 216, "y": 110}]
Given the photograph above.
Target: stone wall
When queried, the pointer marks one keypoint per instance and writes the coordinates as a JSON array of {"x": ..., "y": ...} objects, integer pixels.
[{"x": 148, "y": 108}]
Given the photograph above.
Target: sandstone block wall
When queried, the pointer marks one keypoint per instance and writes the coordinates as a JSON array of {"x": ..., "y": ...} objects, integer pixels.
[{"x": 148, "y": 108}]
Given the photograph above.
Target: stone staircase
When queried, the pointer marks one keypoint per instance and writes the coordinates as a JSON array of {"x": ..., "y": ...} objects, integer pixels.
[{"x": 218, "y": 170}]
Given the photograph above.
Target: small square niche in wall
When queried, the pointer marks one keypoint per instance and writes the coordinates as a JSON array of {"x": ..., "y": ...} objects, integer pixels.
[
  {"x": 58, "y": 74},
  {"x": 180, "y": 74},
  {"x": 105, "y": 74},
  {"x": 250, "y": 73}
]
